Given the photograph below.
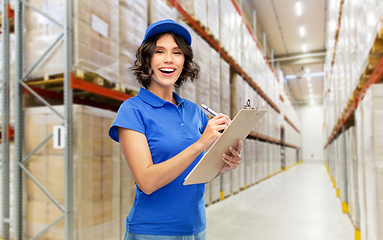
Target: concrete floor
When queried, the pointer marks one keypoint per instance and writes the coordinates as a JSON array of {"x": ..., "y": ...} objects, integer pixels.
[{"x": 299, "y": 203}]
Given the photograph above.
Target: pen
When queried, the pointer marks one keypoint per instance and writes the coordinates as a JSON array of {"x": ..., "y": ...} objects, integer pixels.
[
  {"x": 209, "y": 110},
  {"x": 212, "y": 112}
]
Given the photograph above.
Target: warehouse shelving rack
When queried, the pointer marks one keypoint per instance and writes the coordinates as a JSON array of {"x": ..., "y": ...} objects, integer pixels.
[
  {"x": 70, "y": 82},
  {"x": 291, "y": 123},
  {"x": 6, "y": 131},
  {"x": 224, "y": 55},
  {"x": 348, "y": 114},
  {"x": 348, "y": 119},
  {"x": 10, "y": 14},
  {"x": 20, "y": 159},
  {"x": 249, "y": 80},
  {"x": 201, "y": 31},
  {"x": 360, "y": 90},
  {"x": 253, "y": 34},
  {"x": 80, "y": 84},
  {"x": 341, "y": 126}
]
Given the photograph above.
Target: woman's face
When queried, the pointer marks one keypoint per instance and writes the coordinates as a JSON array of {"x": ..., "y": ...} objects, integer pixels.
[{"x": 167, "y": 62}]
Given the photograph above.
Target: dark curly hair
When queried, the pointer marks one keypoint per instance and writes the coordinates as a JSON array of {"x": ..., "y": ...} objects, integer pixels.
[{"x": 143, "y": 70}]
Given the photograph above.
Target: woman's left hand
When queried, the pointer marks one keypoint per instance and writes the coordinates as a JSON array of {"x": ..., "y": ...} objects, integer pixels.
[{"x": 233, "y": 159}]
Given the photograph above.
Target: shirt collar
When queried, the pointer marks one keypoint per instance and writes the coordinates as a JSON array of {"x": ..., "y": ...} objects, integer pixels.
[{"x": 155, "y": 101}]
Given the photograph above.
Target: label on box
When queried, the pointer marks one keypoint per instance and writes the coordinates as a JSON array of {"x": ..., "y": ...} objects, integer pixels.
[
  {"x": 99, "y": 26},
  {"x": 58, "y": 137}
]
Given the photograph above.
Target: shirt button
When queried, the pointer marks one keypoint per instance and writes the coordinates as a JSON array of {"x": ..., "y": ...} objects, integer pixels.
[{"x": 182, "y": 124}]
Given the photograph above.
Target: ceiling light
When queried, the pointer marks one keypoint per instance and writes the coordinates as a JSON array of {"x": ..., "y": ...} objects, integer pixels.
[
  {"x": 307, "y": 70},
  {"x": 304, "y": 48},
  {"x": 308, "y": 78},
  {"x": 310, "y": 90},
  {"x": 309, "y": 84},
  {"x": 332, "y": 25},
  {"x": 318, "y": 74},
  {"x": 298, "y": 7},
  {"x": 307, "y": 75},
  {"x": 302, "y": 31}
]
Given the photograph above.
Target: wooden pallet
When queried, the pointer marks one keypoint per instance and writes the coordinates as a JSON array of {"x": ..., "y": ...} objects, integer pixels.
[
  {"x": 94, "y": 78},
  {"x": 373, "y": 60},
  {"x": 380, "y": 33},
  {"x": 212, "y": 36},
  {"x": 55, "y": 82},
  {"x": 11, "y": 24},
  {"x": 49, "y": 82},
  {"x": 374, "y": 57},
  {"x": 377, "y": 47},
  {"x": 199, "y": 23}
]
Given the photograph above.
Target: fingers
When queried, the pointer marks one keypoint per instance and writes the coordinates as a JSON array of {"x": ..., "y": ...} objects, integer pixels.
[
  {"x": 239, "y": 146},
  {"x": 219, "y": 122},
  {"x": 222, "y": 118},
  {"x": 232, "y": 160},
  {"x": 236, "y": 154}
]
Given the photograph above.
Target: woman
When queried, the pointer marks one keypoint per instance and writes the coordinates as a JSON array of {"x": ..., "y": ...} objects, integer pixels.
[{"x": 163, "y": 137}]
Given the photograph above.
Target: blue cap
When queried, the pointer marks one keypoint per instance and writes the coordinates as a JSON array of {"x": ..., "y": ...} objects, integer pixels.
[{"x": 167, "y": 25}]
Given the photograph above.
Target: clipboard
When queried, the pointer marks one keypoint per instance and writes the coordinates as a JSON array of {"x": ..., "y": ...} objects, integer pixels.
[{"x": 211, "y": 163}]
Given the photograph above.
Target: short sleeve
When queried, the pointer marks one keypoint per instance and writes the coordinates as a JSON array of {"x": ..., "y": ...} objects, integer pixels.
[
  {"x": 128, "y": 116},
  {"x": 204, "y": 120}
]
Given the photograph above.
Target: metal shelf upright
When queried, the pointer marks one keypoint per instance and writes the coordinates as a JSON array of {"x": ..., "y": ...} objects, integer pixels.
[
  {"x": 20, "y": 158},
  {"x": 5, "y": 120}
]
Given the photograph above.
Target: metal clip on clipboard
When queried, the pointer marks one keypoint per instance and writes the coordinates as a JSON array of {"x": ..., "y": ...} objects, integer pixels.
[{"x": 248, "y": 105}]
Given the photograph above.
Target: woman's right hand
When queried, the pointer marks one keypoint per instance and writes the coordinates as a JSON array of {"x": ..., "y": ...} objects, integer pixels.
[{"x": 211, "y": 133}]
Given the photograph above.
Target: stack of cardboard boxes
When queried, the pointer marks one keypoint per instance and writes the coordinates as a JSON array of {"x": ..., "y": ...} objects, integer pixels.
[{"x": 103, "y": 185}]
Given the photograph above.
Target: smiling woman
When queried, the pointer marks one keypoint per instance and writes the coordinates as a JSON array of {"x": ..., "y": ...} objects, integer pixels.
[
  {"x": 143, "y": 68},
  {"x": 166, "y": 63},
  {"x": 163, "y": 137}
]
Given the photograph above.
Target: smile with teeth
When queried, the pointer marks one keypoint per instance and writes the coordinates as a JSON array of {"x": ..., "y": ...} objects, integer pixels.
[{"x": 167, "y": 70}]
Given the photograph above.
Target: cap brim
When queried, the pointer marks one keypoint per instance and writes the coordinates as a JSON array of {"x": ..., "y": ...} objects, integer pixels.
[{"x": 168, "y": 26}]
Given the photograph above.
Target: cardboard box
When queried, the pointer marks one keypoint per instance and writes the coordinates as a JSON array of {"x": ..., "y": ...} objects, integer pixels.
[
  {"x": 97, "y": 180},
  {"x": 38, "y": 167},
  {"x": 56, "y": 232},
  {"x": 226, "y": 183},
  {"x": 37, "y": 217},
  {"x": 225, "y": 87},
  {"x": 36, "y": 132},
  {"x": 56, "y": 184},
  {"x": 236, "y": 94},
  {"x": 215, "y": 187}
]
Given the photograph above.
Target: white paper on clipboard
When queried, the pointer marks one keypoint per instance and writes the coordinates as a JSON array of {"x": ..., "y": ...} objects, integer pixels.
[{"x": 211, "y": 163}]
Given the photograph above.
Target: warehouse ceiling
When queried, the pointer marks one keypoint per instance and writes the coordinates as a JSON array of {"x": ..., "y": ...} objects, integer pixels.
[{"x": 280, "y": 21}]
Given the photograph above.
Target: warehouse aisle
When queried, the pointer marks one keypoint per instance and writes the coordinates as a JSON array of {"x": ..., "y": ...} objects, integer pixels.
[{"x": 299, "y": 203}]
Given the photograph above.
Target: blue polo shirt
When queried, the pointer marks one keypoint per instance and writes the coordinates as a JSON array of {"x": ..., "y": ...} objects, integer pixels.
[{"x": 174, "y": 209}]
